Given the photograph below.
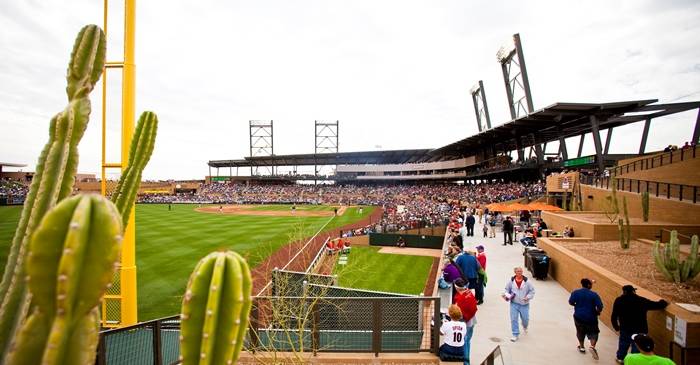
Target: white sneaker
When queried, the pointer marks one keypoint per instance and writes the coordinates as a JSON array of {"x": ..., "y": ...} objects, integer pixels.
[
  {"x": 514, "y": 338},
  {"x": 525, "y": 330}
]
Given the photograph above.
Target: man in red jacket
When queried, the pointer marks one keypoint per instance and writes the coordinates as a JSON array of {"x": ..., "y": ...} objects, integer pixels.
[{"x": 467, "y": 304}]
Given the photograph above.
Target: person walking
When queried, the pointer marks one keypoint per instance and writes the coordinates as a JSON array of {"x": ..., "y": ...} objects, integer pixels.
[
  {"x": 587, "y": 308},
  {"x": 645, "y": 344},
  {"x": 629, "y": 316},
  {"x": 470, "y": 221},
  {"x": 492, "y": 225},
  {"x": 469, "y": 269},
  {"x": 508, "y": 231},
  {"x": 467, "y": 304},
  {"x": 519, "y": 292}
]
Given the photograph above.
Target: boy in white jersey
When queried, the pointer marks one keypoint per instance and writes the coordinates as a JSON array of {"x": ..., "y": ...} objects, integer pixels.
[{"x": 454, "y": 333}]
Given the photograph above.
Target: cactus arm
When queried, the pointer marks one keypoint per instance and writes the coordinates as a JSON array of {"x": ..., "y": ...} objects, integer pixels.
[
  {"x": 215, "y": 310},
  {"x": 52, "y": 181},
  {"x": 82, "y": 343},
  {"x": 693, "y": 260},
  {"x": 243, "y": 299},
  {"x": 659, "y": 261},
  {"x": 87, "y": 61},
  {"x": 31, "y": 339},
  {"x": 192, "y": 320},
  {"x": 71, "y": 260},
  {"x": 139, "y": 154}
]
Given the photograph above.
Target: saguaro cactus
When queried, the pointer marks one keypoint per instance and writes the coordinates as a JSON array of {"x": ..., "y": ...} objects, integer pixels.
[
  {"x": 645, "y": 206},
  {"x": 71, "y": 260},
  {"x": 624, "y": 226},
  {"x": 140, "y": 152},
  {"x": 669, "y": 262},
  {"x": 215, "y": 310},
  {"x": 55, "y": 172}
]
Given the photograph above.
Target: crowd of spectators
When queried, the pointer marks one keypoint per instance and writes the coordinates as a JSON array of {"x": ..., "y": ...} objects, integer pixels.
[
  {"x": 13, "y": 190},
  {"x": 405, "y": 206}
]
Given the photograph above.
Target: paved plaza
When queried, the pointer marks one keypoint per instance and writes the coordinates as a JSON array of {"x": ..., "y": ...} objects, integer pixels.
[{"x": 551, "y": 337}]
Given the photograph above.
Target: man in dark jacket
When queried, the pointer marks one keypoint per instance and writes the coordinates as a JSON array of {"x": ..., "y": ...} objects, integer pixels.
[
  {"x": 507, "y": 231},
  {"x": 629, "y": 316},
  {"x": 587, "y": 307},
  {"x": 470, "y": 266},
  {"x": 469, "y": 222}
]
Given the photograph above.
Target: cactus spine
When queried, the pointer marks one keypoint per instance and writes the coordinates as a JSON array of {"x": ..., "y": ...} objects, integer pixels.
[
  {"x": 139, "y": 153},
  {"x": 215, "y": 310},
  {"x": 670, "y": 264},
  {"x": 71, "y": 260},
  {"x": 55, "y": 173},
  {"x": 645, "y": 206}
]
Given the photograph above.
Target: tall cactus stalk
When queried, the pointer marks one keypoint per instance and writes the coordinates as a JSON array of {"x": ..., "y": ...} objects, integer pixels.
[
  {"x": 55, "y": 173},
  {"x": 645, "y": 206},
  {"x": 670, "y": 263},
  {"x": 139, "y": 153},
  {"x": 215, "y": 310},
  {"x": 624, "y": 227},
  {"x": 71, "y": 260}
]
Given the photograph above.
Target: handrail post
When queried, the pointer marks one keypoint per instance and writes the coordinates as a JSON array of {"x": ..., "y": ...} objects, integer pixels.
[
  {"x": 101, "y": 351},
  {"x": 436, "y": 326},
  {"x": 668, "y": 191},
  {"x": 680, "y": 192},
  {"x": 315, "y": 333},
  {"x": 254, "y": 325},
  {"x": 157, "y": 351},
  {"x": 376, "y": 327}
]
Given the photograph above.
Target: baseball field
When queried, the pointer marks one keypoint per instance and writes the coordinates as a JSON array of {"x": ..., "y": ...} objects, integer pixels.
[{"x": 170, "y": 241}]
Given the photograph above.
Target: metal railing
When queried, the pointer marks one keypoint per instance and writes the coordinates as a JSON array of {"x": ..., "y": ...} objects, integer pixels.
[
  {"x": 682, "y": 192},
  {"x": 153, "y": 342},
  {"x": 659, "y": 160},
  {"x": 493, "y": 356},
  {"x": 301, "y": 324}
]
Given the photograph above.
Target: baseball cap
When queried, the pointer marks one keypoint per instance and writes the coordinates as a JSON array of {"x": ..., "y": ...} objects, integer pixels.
[
  {"x": 480, "y": 247},
  {"x": 628, "y": 289},
  {"x": 644, "y": 342},
  {"x": 586, "y": 282},
  {"x": 461, "y": 284}
]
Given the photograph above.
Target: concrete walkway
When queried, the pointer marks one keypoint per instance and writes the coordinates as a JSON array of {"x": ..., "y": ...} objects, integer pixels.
[{"x": 551, "y": 339}]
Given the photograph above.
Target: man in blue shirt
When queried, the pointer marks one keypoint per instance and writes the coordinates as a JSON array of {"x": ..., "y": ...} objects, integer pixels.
[
  {"x": 469, "y": 266},
  {"x": 587, "y": 307}
]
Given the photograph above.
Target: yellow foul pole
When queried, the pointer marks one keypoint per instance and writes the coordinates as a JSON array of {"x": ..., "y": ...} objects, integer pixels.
[{"x": 128, "y": 268}]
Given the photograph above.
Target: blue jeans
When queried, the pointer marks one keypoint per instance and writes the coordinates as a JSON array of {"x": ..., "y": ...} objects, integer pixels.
[
  {"x": 624, "y": 345},
  {"x": 522, "y": 310},
  {"x": 468, "y": 344}
]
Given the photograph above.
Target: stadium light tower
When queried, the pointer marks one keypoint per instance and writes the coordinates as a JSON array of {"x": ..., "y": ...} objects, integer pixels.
[
  {"x": 517, "y": 83},
  {"x": 480, "y": 107},
  {"x": 326, "y": 139},
  {"x": 261, "y": 143}
]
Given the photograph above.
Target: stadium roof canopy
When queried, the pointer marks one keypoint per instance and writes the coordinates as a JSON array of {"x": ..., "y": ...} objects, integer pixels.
[
  {"x": 7, "y": 164},
  {"x": 340, "y": 158},
  {"x": 554, "y": 122},
  {"x": 562, "y": 120}
]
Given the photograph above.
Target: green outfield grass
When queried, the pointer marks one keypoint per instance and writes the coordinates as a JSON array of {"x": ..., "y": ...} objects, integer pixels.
[
  {"x": 169, "y": 244},
  {"x": 369, "y": 269}
]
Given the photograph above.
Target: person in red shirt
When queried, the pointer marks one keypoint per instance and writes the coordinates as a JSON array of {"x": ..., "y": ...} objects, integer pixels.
[{"x": 467, "y": 304}]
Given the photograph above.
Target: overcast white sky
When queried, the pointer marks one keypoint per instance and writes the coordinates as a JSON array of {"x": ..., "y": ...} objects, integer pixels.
[{"x": 396, "y": 74}]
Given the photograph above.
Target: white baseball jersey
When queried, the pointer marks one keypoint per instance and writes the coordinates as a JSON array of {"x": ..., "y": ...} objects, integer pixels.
[{"x": 454, "y": 333}]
